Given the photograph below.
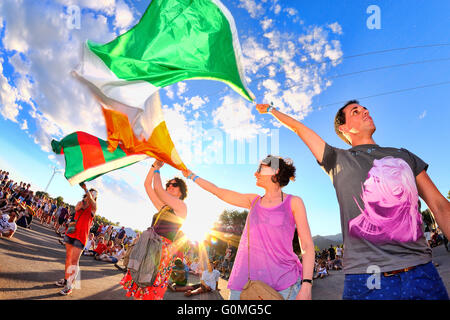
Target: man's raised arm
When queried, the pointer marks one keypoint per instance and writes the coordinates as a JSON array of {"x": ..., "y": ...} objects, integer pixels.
[{"x": 312, "y": 140}]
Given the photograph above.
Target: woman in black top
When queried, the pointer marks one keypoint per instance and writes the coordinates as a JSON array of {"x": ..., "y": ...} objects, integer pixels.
[{"x": 171, "y": 214}]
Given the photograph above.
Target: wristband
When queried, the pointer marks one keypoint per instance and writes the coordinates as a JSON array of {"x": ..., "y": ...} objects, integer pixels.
[
  {"x": 189, "y": 176},
  {"x": 195, "y": 178},
  {"x": 156, "y": 171},
  {"x": 307, "y": 280}
]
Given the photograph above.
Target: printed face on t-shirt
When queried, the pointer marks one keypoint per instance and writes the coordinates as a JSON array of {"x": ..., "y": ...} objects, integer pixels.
[{"x": 390, "y": 201}]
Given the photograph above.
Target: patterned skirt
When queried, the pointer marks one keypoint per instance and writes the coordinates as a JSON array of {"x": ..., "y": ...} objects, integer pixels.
[{"x": 159, "y": 287}]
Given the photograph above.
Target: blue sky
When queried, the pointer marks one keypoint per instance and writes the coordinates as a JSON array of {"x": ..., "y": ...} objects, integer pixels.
[{"x": 298, "y": 54}]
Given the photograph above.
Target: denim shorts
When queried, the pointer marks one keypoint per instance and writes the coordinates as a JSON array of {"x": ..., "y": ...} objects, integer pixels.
[
  {"x": 289, "y": 293},
  {"x": 74, "y": 242},
  {"x": 420, "y": 283}
]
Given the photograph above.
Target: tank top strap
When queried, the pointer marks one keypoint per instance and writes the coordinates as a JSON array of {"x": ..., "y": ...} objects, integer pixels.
[{"x": 254, "y": 201}]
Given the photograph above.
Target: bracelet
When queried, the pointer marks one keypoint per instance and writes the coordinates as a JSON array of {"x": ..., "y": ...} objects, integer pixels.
[
  {"x": 156, "y": 171},
  {"x": 307, "y": 280},
  {"x": 196, "y": 177},
  {"x": 270, "y": 108},
  {"x": 189, "y": 176}
]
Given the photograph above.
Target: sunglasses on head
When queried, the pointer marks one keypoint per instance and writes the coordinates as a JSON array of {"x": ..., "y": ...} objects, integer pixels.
[{"x": 267, "y": 162}]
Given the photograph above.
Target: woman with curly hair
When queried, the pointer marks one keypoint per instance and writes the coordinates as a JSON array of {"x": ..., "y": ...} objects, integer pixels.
[
  {"x": 272, "y": 220},
  {"x": 166, "y": 223}
]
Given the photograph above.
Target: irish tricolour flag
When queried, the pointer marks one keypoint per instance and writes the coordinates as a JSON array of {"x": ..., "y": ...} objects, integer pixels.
[{"x": 175, "y": 40}]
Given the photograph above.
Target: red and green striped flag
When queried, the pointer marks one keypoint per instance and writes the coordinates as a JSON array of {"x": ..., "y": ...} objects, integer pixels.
[{"x": 87, "y": 157}]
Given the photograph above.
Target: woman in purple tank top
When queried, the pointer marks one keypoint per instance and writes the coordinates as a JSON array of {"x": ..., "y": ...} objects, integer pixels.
[{"x": 272, "y": 221}]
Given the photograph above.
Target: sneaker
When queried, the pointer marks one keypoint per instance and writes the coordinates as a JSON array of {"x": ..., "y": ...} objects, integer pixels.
[
  {"x": 66, "y": 291},
  {"x": 120, "y": 268},
  {"x": 61, "y": 283}
]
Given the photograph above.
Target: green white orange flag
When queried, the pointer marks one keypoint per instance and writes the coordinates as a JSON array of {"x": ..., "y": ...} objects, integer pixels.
[
  {"x": 175, "y": 40},
  {"x": 87, "y": 157}
]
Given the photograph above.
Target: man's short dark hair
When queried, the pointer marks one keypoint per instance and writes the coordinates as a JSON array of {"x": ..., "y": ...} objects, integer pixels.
[{"x": 339, "y": 119}]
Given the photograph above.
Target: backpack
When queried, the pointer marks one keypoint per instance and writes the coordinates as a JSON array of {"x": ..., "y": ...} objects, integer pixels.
[{"x": 145, "y": 257}]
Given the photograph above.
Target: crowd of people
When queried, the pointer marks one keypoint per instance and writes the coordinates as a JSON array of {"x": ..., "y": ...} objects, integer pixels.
[
  {"x": 17, "y": 205},
  {"x": 20, "y": 206},
  {"x": 328, "y": 259},
  {"x": 378, "y": 219}
]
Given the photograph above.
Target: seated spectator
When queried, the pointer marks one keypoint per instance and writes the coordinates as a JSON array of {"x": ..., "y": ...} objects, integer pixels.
[
  {"x": 110, "y": 248},
  {"x": 8, "y": 224},
  {"x": 337, "y": 264},
  {"x": 90, "y": 244},
  {"x": 195, "y": 267},
  {"x": 322, "y": 271},
  {"x": 118, "y": 254},
  {"x": 100, "y": 248},
  {"x": 330, "y": 263},
  {"x": 25, "y": 217},
  {"x": 179, "y": 276},
  {"x": 209, "y": 281}
]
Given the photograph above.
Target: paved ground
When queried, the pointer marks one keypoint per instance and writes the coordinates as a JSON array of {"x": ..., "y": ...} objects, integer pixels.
[{"x": 33, "y": 260}]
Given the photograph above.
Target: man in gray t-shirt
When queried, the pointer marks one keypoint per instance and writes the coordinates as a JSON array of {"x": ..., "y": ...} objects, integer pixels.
[
  {"x": 378, "y": 202},
  {"x": 378, "y": 191}
]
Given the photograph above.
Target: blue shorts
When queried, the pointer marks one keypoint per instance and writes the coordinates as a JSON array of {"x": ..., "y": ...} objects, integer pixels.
[{"x": 420, "y": 283}]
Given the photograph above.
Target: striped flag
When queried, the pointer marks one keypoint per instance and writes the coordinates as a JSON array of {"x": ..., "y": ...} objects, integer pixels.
[
  {"x": 87, "y": 157},
  {"x": 175, "y": 40}
]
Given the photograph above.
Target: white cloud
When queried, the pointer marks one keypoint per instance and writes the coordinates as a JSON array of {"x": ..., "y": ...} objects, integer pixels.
[
  {"x": 182, "y": 88},
  {"x": 255, "y": 10},
  {"x": 277, "y": 9},
  {"x": 123, "y": 16},
  {"x": 255, "y": 56},
  {"x": 24, "y": 125},
  {"x": 169, "y": 92},
  {"x": 266, "y": 23},
  {"x": 235, "y": 118},
  {"x": 196, "y": 102},
  {"x": 286, "y": 54},
  {"x": 9, "y": 109},
  {"x": 318, "y": 47},
  {"x": 336, "y": 28}
]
